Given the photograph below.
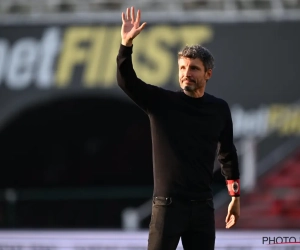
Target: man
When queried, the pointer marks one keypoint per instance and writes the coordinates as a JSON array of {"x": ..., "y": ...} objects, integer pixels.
[{"x": 187, "y": 128}]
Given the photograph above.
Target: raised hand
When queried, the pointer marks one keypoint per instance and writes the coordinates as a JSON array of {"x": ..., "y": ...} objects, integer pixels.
[{"x": 131, "y": 26}]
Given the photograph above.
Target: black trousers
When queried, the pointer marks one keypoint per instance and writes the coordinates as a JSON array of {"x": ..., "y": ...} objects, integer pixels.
[{"x": 191, "y": 220}]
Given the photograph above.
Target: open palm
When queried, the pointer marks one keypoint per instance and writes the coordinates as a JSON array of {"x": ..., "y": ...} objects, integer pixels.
[{"x": 131, "y": 26}]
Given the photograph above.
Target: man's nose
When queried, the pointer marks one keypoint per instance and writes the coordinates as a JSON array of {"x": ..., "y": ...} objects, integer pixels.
[{"x": 187, "y": 73}]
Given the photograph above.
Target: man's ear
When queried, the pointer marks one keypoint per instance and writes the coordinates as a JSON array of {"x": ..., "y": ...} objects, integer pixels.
[{"x": 208, "y": 74}]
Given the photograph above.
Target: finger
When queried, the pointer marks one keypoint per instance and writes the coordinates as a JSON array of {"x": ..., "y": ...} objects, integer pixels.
[
  {"x": 227, "y": 218},
  {"x": 132, "y": 15},
  {"x": 231, "y": 223},
  {"x": 142, "y": 27},
  {"x": 228, "y": 226},
  {"x": 127, "y": 14},
  {"x": 138, "y": 17},
  {"x": 123, "y": 17}
]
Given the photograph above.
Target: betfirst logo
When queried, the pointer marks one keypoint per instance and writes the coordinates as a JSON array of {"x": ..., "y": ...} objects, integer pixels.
[
  {"x": 281, "y": 119},
  {"x": 87, "y": 55}
]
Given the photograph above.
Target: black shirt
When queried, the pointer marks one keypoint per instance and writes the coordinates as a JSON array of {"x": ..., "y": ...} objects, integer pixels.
[{"x": 186, "y": 133}]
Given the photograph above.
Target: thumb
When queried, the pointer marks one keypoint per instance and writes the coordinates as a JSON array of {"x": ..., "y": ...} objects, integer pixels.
[
  {"x": 142, "y": 27},
  {"x": 227, "y": 217}
]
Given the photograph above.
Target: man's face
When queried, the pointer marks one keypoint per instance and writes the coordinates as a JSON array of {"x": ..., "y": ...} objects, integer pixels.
[{"x": 192, "y": 74}]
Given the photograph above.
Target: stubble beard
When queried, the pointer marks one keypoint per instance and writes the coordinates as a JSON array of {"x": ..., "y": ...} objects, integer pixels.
[{"x": 189, "y": 88}]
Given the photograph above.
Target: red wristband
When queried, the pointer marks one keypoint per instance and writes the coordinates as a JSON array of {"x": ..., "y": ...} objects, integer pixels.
[{"x": 233, "y": 187}]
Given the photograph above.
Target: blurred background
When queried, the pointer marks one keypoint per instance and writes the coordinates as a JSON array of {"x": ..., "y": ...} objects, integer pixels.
[{"x": 76, "y": 152}]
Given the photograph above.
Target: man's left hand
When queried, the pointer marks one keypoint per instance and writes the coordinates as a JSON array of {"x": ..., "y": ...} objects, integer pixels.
[{"x": 233, "y": 212}]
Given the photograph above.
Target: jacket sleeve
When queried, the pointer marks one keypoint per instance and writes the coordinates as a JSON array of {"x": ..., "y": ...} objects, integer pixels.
[
  {"x": 141, "y": 93},
  {"x": 227, "y": 155}
]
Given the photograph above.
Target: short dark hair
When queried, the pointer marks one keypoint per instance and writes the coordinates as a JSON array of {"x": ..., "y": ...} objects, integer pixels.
[{"x": 198, "y": 51}]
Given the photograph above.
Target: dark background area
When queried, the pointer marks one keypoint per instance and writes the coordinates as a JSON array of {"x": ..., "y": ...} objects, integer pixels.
[
  {"x": 77, "y": 143},
  {"x": 91, "y": 145}
]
